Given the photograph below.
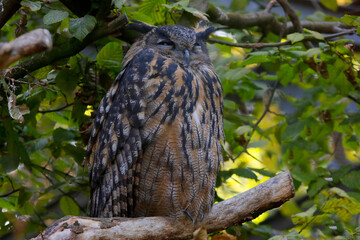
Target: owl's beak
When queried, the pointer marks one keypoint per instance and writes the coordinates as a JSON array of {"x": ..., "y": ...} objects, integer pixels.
[{"x": 187, "y": 56}]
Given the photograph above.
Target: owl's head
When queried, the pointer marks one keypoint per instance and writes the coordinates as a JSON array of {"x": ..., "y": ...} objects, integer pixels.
[{"x": 184, "y": 45}]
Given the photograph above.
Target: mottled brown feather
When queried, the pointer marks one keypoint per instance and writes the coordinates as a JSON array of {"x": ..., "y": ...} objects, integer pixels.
[{"x": 155, "y": 146}]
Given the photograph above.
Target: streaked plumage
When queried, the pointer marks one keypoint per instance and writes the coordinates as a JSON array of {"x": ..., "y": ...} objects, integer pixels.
[{"x": 155, "y": 146}]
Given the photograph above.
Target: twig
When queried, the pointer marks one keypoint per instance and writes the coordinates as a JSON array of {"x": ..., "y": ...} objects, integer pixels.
[
  {"x": 55, "y": 110},
  {"x": 9, "y": 193},
  {"x": 354, "y": 99},
  {"x": 294, "y": 19},
  {"x": 279, "y": 44},
  {"x": 270, "y": 5},
  {"x": 249, "y": 45},
  {"x": 267, "y": 109}
]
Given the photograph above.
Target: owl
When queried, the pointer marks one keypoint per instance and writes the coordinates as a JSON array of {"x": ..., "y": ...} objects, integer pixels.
[{"x": 155, "y": 146}]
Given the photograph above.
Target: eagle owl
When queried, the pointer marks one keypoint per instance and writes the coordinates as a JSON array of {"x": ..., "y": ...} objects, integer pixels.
[{"x": 155, "y": 147}]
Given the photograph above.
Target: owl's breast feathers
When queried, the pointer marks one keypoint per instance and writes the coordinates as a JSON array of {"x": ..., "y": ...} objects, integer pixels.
[{"x": 155, "y": 148}]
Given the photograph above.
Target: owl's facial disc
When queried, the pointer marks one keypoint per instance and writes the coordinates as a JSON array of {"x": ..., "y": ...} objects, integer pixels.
[{"x": 183, "y": 45}]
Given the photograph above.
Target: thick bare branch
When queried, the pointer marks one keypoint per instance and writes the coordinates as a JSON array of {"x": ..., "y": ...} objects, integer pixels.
[
  {"x": 241, "y": 208},
  {"x": 32, "y": 42}
]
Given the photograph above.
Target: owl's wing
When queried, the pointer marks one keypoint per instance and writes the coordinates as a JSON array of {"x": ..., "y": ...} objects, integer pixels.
[{"x": 115, "y": 145}]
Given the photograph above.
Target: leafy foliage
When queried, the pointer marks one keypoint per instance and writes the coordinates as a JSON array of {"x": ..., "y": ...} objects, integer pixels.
[{"x": 286, "y": 108}]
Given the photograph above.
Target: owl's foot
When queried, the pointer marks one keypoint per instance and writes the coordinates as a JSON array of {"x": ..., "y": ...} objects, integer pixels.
[{"x": 200, "y": 234}]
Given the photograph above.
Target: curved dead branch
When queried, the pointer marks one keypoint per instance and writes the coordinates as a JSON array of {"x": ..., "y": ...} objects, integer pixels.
[{"x": 241, "y": 208}]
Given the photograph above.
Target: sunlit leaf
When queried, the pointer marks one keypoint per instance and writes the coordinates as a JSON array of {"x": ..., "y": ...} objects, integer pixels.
[
  {"x": 68, "y": 206},
  {"x": 330, "y": 4}
]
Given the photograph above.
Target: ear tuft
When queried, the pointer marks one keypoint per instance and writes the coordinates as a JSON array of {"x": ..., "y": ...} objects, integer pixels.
[{"x": 203, "y": 30}]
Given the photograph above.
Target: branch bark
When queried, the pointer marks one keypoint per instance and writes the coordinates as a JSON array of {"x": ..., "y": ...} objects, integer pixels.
[
  {"x": 266, "y": 20},
  {"x": 241, "y": 208},
  {"x": 66, "y": 49},
  {"x": 32, "y": 42},
  {"x": 7, "y": 9}
]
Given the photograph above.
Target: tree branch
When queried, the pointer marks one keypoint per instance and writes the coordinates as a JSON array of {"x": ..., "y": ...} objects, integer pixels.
[
  {"x": 7, "y": 10},
  {"x": 266, "y": 20},
  {"x": 67, "y": 49},
  {"x": 294, "y": 19},
  {"x": 27, "y": 44},
  {"x": 279, "y": 44},
  {"x": 241, "y": 208}
]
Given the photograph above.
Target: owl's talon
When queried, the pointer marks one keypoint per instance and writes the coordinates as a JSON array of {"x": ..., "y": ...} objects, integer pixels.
[{"x": 188, "y": 214}]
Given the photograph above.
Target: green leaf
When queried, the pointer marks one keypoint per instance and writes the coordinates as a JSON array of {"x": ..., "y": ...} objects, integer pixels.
[
  {"x": 78, "y": 153},
  {"x": 330, "y": 4},
  {"x": 231, "y": 105},
  {"x": 66, "y": 80},
  {"x": 110, "y": 56},
  {"x": 316, "y": 35},
  {"x": 42, "y": 73},
  {"x": 153, "y": 9},
  {"x": 350, "y": 20},
  {"x": 33, "y": 6},
  {"x": 183, "y": 5},
  {"x": 314, "y": 188},
  {"x": 295, "y": 37},
  {"x": 304, "y": 217},
  {"x": 11, "y": 159},
  {"x": 119, "y": 3},
  {"x": 256, "y": 59},
  {"x": 238, "y": 5},
  {"x": 7, "y": 204},
  {"x": 24, "y": 196},
  {"x": 303, "y": 177},
  {"x": 312, "y": 52},
  {"x": 293, "y": 130},
  {"x": 68, "y": 206},
  {"x": 352, "y": 180},
  {"x": 244, "y": 172},
  {"x": 343, "y": 207},
  {"x": 81, "y": 27},
  {"x": 243, "y": 129},
  {"x": 262, "y": 172},
  {"x": 286, "y": 74},
  {"x": 61, "y": 135},
  {"x": 257, "y": 144},
  {"x": 54, "y": 16}
]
